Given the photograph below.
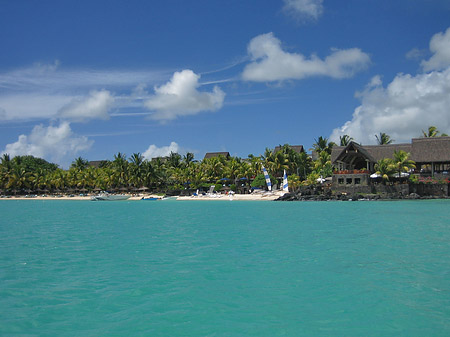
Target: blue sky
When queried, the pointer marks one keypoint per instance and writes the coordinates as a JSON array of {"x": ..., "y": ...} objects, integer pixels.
[{"x": 93, "y": 78}]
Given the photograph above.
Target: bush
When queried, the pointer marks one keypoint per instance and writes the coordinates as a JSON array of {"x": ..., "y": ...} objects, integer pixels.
[{"x": 260, "y": 181}]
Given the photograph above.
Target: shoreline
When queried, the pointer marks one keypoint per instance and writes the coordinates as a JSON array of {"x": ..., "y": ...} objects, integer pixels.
[
  {"x": 277, "y": 196},
  {"x": 235, "y": 197}
]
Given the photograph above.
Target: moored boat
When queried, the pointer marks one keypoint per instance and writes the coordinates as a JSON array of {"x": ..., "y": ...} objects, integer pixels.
[{"x": 109, "y": 197}]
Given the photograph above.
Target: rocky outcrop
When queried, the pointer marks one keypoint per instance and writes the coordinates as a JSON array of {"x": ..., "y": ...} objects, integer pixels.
[{"x": 318, "y": 194}]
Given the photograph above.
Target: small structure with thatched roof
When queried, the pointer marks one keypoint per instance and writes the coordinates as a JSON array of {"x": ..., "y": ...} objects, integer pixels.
[
  {"x": 217, "y": 154},
  {"x": 296, "y": 148}
]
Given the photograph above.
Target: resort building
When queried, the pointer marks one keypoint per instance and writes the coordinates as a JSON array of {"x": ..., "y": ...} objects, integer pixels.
[
  {"x": 97, "y": 163},
  {"x": 217, "y": 154},
  {"x": 355, "y": 163},
  {"x": 296, "y": 148}
]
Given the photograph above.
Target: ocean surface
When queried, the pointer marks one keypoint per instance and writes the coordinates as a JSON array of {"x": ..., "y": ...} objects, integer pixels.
[{"x": 221, "y": 268}]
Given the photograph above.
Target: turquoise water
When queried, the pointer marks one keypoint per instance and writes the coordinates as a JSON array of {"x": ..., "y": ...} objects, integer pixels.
[{"x": 220, "y": 268}]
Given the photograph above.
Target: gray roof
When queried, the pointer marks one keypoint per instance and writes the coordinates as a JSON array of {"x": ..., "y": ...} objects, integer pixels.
[
  {"x": 216, "y": 154},
  {"x": 431, "y": 149},
  {"x": 296, "y": 148},
  {"x": 386, "y": 151},
  {"x": 97, "y": 163},
  {"x": 422, "y": 150}
]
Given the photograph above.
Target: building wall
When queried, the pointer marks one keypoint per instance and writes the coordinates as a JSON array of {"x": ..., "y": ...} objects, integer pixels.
[
  {"x": 439, "y": 190},
  {"x": 353, "y": 180},
  {"x": 423, "y": 190}
]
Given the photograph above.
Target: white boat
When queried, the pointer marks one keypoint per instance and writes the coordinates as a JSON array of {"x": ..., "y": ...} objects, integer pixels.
[
  {"x": 170, "y": 198},
  {"x": 109, "y": 197}
]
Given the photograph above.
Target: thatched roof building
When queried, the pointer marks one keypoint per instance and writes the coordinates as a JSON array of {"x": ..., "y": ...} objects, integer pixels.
[
  {"x": 217, "y": 154},
  {"x": 430, "y": 154},
  {"x": 296, "y": 148},
  {"x": 97, "y": 163}
]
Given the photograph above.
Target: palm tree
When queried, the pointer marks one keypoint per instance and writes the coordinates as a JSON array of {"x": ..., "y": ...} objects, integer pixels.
[
  {"x": 383, "y": 139},
  {"x": 59, "y": 179},
  {"x": 6, "y": 162},
  {"x": 267, "y": 157},
  {"x": 136, "y": 165},
  {"x": 433, "y": 132},
  {"x": 18, "y": 178},
  {"x": 174, "y": 160},
  {"x": 37, "y": 179},
  {"x": 384, "y": 168},
  {"x": 196, "y": 175},
  {"x": 344, "y": 140},
  {"x": 322, "y": 165},
  {"x": 120, "y": 166},
  {"x": 188, "y": 158},
  {"x": 213, "y": 168},
  {"x": 80, "y": 164},
  {"x": 5, "y": 169},
  {"x": 255, "y": 165},
  {"x": 278, "y": 163},
  {"x": 232, "y": 168},
  {"x": 322, "y": 144},
  {"x": 402, "y": 163}
]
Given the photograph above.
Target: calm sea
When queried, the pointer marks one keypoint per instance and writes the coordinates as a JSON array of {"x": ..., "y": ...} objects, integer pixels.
[{"x": 221, "y": 268}]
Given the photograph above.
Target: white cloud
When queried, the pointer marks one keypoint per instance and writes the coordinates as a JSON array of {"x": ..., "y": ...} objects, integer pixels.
[
  {"x": 54, "y": 143},
  {"x": 304, "y": 9},
  {"x": 95, "y": 106},
  {"x": 271, "y": 63},
  {"x": 153, "y": 151},
  {"x": 415, "y": 54},
  {"x": 440, "y": 46},
  {"x": 180, "y": 97},
  {"x": 25, "y": 106},
  {"x": 45, "y": 92},
  {"x": 41, "y": 78},
  {"x": 406, "y": 106}
]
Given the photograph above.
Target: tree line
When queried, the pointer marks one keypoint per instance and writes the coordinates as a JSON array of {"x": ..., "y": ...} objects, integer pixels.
[{"x": 27, "y": 174}]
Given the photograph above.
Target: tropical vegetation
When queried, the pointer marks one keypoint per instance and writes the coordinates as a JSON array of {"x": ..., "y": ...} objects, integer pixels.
[{"x": 27, "y": 174}]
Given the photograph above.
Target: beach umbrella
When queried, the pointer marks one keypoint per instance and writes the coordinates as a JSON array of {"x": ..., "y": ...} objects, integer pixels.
[{"x": 402, "y": 175}]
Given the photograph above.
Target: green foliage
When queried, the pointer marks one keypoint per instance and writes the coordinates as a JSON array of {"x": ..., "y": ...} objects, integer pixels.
[
  {"x": 384, "y": 168},
  {"x": 321, "y": 144},
  {"x": 79, "y": 164},
  {"x": 433, "y": 132},
  {"x": 401, "y": 163},
  {"x": 311, "y": 179},
  {"x": 414, "y": 178},
  {"x": 345, "y": 140},
  {"x": 383, "y": 139},
  {"x": 322, "y": 166},
  {"x": 31, "y": 164},
  {"x": 260, "y": 181},
  {"x": 294, "y": 181}
]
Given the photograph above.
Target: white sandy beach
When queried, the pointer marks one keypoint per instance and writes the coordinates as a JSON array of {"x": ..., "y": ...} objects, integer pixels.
[{"x": 237, "y": 197}]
